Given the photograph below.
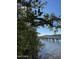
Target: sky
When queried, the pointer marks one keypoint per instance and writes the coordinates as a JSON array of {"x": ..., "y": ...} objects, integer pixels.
[{"x": 53, "y": 6}]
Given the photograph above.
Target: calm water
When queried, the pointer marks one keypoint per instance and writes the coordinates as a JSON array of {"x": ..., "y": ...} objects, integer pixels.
[{"x": 50, "y": 49}]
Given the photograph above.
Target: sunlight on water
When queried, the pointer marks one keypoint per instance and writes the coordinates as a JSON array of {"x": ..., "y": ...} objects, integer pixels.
[{"x": 50, "y": 48}]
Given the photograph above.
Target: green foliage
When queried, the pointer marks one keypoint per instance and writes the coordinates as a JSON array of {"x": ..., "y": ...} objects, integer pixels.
[
  {"x": 26, "y": 30},
  {"x": 26, "y": 38},
  {"x": 18, "y": 1}
]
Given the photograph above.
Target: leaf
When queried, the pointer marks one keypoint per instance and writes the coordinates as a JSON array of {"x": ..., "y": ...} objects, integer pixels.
[{"x": 18, "y": 1}]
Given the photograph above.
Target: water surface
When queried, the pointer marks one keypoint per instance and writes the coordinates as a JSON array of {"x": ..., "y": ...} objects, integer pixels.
[{"x": 50, "y": 49}]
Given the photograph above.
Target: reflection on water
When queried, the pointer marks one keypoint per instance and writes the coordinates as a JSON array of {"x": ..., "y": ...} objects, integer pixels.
[{"x": 50, "y": 50}]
